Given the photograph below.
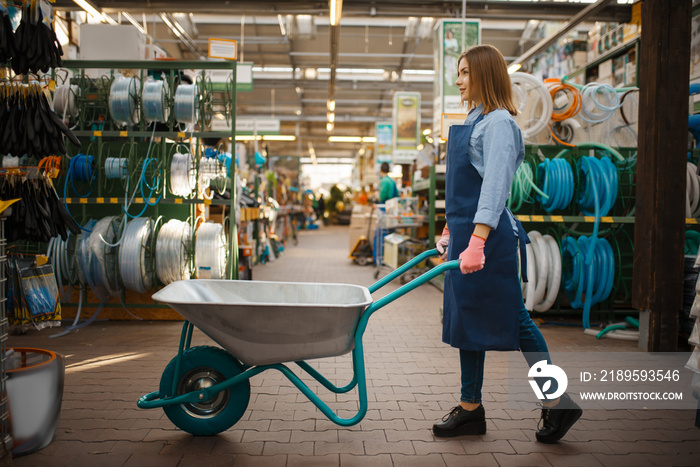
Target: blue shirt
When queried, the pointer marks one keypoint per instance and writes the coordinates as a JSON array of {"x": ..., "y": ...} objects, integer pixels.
[{"x": 496, "y": 149}]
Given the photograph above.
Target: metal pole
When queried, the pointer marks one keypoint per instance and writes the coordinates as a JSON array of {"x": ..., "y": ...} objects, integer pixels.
[{"x": 464, "y": 21}]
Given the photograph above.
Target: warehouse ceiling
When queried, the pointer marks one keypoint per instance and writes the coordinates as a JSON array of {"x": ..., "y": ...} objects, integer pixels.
[{"x": 380, "y": 47}]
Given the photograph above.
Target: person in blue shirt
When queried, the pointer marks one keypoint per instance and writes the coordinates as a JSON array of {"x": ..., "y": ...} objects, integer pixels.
[
  {"x": 483, "y": 304},
  {"x": 387, "y": 187}
]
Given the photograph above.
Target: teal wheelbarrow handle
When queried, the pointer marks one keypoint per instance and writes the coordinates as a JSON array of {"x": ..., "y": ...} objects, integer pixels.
[{"x": 411, "y": 264}]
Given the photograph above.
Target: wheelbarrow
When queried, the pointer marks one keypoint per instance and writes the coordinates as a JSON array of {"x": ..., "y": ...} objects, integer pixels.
[{"x": 205, "y": 390}]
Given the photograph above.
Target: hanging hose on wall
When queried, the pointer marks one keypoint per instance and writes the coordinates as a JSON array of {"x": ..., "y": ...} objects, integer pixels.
[
  {"x": 152, "y": 185},
  {"x": 116, "y": 168},
  {"x": 174, "y": 252},
  {"x": 597, "y": 175},
  {"x": 555, "y": 179},
  {"x": 588, "y": 272},
  {"x": 543, "y": 272},
  {"x": 123, "y": 104},
  {"x": 589, "y": 263},
  {"x": 566, "y": 99},
  {"x": 211, "y": 251},
  {"x": 534, "y": 104},
  {"x": 65, "y": 101},
  {"x": 135, "y": 257},
  {"x": 692, "y": 191},
  {"x": 521, "y": 187},
  {"x": 182, "y": 174},
  {"x": 186, "y": 105},
  {"x": 155, "y": 98},
  {"x": 599, "y": 102}
]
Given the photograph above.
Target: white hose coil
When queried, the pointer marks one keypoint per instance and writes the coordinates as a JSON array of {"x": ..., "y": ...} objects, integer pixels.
[
  {"x": 599, "y": 102},
  {"x": 135, "y": 259},
  {"x": 534, "y": 104},
  {"x": 210, "y": 169},
  {"x": 173, "y": 252},
  {"x": 122, "y": 101},
  {"x": 64, "y": 100},
  {"x": 692, "y": 191},
  {"x": 116, "y": 168},
  {"x": 155, "y": 97},
  {"x": 211, "y": 250},
  {"x": 103, "y": 267},
  {"x": 543, "y": 272},
  {"x": 182, "y": 174},
  {"x": 186, "y": 105}
]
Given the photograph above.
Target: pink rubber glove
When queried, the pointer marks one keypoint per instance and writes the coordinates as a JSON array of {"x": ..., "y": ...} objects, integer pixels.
[
  {"x": 442, "y": 244},
  {"x": 473, "y": 259}
]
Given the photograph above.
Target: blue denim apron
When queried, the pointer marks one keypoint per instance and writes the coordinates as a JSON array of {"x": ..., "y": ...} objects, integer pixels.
[{"x": 480, "y": 310}]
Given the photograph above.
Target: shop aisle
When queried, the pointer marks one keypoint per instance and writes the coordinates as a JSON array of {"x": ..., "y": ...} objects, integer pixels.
[{"x": 412, "y": 382}]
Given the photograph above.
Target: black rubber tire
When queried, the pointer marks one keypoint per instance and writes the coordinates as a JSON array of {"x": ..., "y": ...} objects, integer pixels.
[{"x": 205, "y": 366}]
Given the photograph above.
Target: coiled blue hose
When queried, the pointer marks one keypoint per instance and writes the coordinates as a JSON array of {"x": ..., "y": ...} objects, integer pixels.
[
  {"x": 152, "y": 186},
  {"x": 81, "y": 168},
  {"x": 588, "y": 265},
  {"x": 597, "y": 175},
  {"x": 556, "y": 179}
]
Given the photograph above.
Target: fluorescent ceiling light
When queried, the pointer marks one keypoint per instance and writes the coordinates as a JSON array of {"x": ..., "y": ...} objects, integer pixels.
[
  {"x": 331, "y": 105},
  {"x": 273, "y": 69},
  {"x": 344, "y": 139},
  {"x": 369, "y": 139},
  {"x": 418, "y": 72},
  {"x": 133, "y": 21},
  {"x": 266, "y": 137},
  {"x": 96, "y": 14},
  {"x": 283, "y": 28},
  {"x": 328, "y": 160},
  {"x": 279, "y": 138},
  {"x": 514, "y": 67},
  {"x": 329, "y": 127},
  {"x": 336, "y": 7},
  {"x": 360, "y": 71},
  {"x": 331, "y": 117}
]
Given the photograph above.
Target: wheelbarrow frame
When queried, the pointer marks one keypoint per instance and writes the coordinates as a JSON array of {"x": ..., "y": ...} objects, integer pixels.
[{"x": 359, "y": 380}]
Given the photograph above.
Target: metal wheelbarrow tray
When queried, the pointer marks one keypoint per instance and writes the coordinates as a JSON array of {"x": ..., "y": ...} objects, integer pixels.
[
  {"x": 205, "y": 390},
  {"x": 271, "y": 322}
]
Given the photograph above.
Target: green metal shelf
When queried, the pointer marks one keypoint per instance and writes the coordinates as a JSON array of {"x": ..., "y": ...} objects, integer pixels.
[
  {"x": 148, "y": 134},
  {"x": 112, "y": 200}
]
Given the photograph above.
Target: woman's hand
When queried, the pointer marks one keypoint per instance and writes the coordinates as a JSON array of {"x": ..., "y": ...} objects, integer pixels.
[
  {"x": 442, "y": 244},
  {"x": 473, "y": 259}
]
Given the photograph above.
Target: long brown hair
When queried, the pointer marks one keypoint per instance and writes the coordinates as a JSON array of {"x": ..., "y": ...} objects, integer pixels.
[{"x": 488, "y": 79}]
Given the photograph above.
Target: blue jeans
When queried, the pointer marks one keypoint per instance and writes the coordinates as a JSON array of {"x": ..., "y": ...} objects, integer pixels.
[{"x": 472, "y": 361}]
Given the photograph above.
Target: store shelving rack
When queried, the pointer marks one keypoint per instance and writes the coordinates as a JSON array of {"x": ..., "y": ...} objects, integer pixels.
[
  {"x": 108, "y": 140},
  {"x": 568, "y": 221}
]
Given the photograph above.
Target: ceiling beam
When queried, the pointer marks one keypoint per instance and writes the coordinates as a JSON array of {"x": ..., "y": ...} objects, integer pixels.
[{"x": 550, "y": 11}]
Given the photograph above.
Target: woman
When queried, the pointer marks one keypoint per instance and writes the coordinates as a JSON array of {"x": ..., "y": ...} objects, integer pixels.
[{"x": 483, "y": 305}]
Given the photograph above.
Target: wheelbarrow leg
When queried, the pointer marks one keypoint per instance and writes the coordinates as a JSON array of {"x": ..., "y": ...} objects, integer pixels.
[{"x": 327, "y": 384}]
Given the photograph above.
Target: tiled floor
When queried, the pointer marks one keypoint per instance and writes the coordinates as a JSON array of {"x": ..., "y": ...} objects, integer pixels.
[{"x": 412, "y": 377}]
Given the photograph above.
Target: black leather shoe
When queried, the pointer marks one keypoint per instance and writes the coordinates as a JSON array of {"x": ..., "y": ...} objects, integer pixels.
[
  {"x": 461, "y": 422},
  {"x": 557, "y": 420}
]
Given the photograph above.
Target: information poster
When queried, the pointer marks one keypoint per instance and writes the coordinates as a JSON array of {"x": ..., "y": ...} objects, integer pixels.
[
  {"x": 406, "y": 134},
  {"x": 452, "y": 38},
  {"x": 383, "y": 148}
]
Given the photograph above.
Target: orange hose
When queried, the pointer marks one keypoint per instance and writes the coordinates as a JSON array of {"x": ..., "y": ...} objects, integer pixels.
[
  {"x": 559, "y": 140},
  {"x": 555, "y": 86},
  {"x": 51, "y": 165}
]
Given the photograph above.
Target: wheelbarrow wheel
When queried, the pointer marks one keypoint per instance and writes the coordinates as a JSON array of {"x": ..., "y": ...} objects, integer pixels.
[{"x": 202, "y": 367}]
